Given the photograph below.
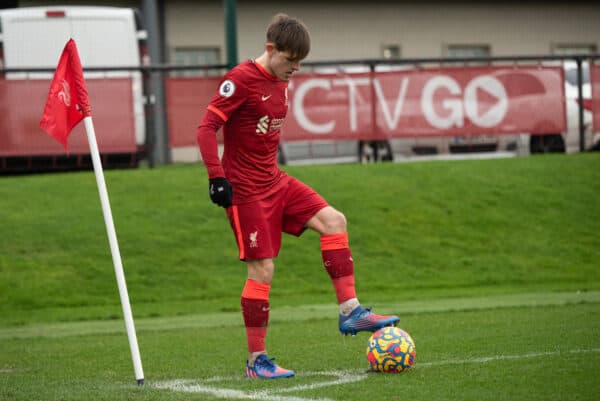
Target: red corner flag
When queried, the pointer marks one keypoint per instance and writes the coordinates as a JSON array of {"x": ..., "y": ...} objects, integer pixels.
[
  {"x": 67, "y": 102},
  {"x": 66, "y": 106}
]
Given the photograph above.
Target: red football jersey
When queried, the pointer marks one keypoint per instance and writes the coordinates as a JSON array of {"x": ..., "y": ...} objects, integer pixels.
[{"x": 251, "y": 104}]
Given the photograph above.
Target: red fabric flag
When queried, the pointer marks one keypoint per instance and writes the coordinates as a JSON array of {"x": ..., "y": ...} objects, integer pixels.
[{"x": 67, "y": 102}]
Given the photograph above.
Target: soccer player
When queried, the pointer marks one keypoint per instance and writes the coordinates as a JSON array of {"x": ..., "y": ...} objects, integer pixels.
[{"x": 261, "y": 200}]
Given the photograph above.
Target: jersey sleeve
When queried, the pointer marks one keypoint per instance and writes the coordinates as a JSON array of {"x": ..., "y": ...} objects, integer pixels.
[
  {"x": 207, "y": 141},
  {"x": 229, "y": 97}
]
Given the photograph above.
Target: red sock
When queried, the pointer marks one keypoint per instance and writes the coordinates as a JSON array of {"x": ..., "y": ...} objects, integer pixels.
[
  {"x": 337, "y": 259},
  {"x": 255, "y": 309}
]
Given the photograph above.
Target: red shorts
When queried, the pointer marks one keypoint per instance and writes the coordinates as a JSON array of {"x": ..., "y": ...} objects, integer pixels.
[{"x": 258, "y": 225}]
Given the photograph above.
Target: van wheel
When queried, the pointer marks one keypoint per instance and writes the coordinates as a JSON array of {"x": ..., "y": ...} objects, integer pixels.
[{"x": 553, "y": 143}]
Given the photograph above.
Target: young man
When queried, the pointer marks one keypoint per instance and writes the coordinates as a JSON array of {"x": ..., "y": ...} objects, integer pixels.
[{"x": 261, "y": 200}]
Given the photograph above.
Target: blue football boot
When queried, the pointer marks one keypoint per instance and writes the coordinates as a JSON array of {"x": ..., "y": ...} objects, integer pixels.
[
  {"x": 362, "y": 319},
  {"x": 265, "y": 368}
]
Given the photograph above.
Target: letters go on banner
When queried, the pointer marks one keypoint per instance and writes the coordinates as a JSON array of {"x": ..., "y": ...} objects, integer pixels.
[{"x": 426, "y": 102}]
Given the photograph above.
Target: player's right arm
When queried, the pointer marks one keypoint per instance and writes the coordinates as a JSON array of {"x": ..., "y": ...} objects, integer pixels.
[
  {"x": 207, "y": 140},
  {"x": 230, "y": 96},
  {"x": 219, "y": 188}
]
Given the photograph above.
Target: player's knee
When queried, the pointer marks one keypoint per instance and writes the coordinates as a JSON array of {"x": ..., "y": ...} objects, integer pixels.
[
  {"x": 261, "y": 270},
  {"x": 335, "y": 222}
]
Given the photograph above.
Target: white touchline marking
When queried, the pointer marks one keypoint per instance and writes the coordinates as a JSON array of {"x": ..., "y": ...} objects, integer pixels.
[
  {"x": 341, "y": 377},
  {"x": 194, "y": 386},
  {"x": 188, "y": 386},
  {"x": 505, "y": 357}
]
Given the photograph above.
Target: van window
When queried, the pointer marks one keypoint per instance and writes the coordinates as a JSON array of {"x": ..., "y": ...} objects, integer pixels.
[{"x": 114, "y": 37}]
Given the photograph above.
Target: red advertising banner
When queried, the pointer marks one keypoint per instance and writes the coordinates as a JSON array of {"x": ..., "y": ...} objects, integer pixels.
[
  {"x": 23, "y": 101},
  {"x": 426, "y": 102},
  {"x": 187, "y": 99},
  {"x": 409, "y": 103},
  {"x": 595, "y": 82}
]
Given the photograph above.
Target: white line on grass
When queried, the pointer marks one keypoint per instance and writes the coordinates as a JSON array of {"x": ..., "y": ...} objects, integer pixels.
[
  {"x": 341, "y": 377},
  {"x": 505, "y": 357},
  {"x": 301, "y": 313},
  {"x": 192, "y": 386},
  {"x": 188, "y": 386}
]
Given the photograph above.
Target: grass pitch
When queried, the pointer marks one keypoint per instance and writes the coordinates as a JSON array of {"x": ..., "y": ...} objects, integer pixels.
[
  {"x": 491, "y": 264},
  {"x": 529, "y": 352}
]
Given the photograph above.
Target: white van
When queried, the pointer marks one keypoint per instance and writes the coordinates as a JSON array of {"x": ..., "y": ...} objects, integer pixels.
[{"x": 34, "y": 37}]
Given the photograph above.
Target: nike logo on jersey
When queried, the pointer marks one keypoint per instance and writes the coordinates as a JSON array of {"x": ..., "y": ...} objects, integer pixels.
[{"x": 265, "y": 98}]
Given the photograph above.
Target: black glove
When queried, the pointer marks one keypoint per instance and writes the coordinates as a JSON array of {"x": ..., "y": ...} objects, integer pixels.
[{"x": 220, "y": 191}]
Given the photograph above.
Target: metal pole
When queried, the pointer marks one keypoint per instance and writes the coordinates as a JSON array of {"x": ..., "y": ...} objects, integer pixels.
[
  {"x": 231, "y": 32},
  {"x": 160, "y": 151},
  {"x": 374, "y": 133},
  {"x": 580, "y": 101}
]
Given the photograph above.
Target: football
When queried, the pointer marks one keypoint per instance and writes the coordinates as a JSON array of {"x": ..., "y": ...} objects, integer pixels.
[{"x": 391, "y": 350}]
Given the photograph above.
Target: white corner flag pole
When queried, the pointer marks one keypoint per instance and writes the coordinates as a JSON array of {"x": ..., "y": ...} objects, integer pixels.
[{"x": 114, "y": 249}]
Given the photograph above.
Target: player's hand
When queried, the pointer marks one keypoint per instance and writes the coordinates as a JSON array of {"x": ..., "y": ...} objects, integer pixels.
[{"x": 220, "y": 191}]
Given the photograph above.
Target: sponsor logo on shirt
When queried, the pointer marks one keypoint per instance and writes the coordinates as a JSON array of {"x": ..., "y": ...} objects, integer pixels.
[
  {"x": 263, "y": 125},
  {"x": 276, "y": 123}
]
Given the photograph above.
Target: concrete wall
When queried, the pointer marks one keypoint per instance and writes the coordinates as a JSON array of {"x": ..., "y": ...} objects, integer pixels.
[
  {"x": 354, "y": 29},
  {"x": 358, "y": 29}
]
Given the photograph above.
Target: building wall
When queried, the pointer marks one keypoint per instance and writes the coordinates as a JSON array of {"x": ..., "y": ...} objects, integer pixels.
[
  {"x": 355, "y": 29},
  {"x": 358, "y": 29}
]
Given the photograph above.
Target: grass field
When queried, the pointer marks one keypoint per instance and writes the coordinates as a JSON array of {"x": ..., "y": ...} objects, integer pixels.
[{"x": 493, "y": 266}]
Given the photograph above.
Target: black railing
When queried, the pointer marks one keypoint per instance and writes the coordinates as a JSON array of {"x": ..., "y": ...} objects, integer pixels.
[{"x": 371, "y": 63}]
